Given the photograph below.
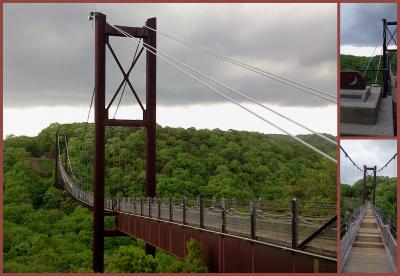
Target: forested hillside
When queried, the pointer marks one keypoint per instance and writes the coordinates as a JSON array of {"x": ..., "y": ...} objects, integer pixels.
[
  {"x": 45, "y": 230},
  {"x": 385, "y": 197},
  {"x": 361, "y": 63}
]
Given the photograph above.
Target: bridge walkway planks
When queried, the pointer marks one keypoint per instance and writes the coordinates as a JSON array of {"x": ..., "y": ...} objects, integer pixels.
[{"x": 368, "y": 253}]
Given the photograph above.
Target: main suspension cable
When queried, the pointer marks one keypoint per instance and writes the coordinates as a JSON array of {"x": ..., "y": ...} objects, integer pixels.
[
  {"x": 240, "y": 94},
  {"x": 283, "y": 80},
  {"x": 390, "y": 160},
  {"x": 348, "y": 156},
  {"x": 231, "y": 100}
]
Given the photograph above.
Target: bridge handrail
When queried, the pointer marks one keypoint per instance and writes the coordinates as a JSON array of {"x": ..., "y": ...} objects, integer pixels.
[
  {"x": 347, "y": 240},
  {"x": 389, "y": 241},
  {"x": 224, "y": 218}
]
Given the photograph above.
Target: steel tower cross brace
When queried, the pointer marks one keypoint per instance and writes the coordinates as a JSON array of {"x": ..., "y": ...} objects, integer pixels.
[
  {"x": 385, "y": 64},
  {"x": 102, "y": 33},
  {"x": 364, "y": 188}
]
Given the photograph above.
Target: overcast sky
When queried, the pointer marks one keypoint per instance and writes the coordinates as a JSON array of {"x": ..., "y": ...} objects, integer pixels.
[
  {"x": 49, "y": 56},
  {"x": 361, "y": 27},
  {"x": 366, "y": 152}
]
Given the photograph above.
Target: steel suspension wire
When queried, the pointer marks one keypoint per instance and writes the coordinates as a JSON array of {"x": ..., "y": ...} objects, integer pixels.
[
  {"x": 241, "y": 94},
  {"x": 123, "y": 90},
  {"x": 379, "y": 64},
  {"x": 120, "y": 98},
  {"x": 345, "y": 186},
  {"x": 370, "y": 59},
  {"x": 267, "y": 74},
  {"x": 68, "y": 159},
  {"x": 36, "y": 213},
  {"x": 233, "y": 101},
  {"x": 87, "y": 119},
  {"x": 390, "y": 160},
  {"x": 348, "y": 156}
]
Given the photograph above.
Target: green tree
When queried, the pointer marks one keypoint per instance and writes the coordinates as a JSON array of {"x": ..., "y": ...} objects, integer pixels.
[{"x": 130, "y": 259}]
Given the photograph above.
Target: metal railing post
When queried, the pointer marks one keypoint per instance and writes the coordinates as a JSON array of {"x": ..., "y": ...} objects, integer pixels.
[
  {"x": 170, "y": 209},
  {"x": 149, "y": 204},
  {"x": 253, "y": 220},
  {"x": 141, "y": 206},
  {"x": 159, "y": 207},
  {"x": 294, "y": 223},
  {"x": 223, "y": 214},
  {"x": 184, "y": 210},
  {"x": 201, "y": 207}
]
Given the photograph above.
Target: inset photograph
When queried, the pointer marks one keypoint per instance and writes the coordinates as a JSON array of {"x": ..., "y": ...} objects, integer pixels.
[
  {"x": 368, "y": 206},
  {"x": 368, "y": 69}
]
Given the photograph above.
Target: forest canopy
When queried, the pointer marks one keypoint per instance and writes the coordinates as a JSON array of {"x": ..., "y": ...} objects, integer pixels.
[{"x": 47, "y": 231}]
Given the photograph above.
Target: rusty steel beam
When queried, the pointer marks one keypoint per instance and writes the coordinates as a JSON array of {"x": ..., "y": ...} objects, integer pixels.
[
  {"x": 151, "y": 74},
  {"x": 303, "y": 244},
  {"x": 384, "y": 61},
  {"x": 123, "y": 81},
  {"x": 99, "y": 142},
  {"x": 364, "y": 184},
  {"x": 223, "y": 252},
  {"x": 102, "y": 33},
  {"x": 126, "y": 77},
  {"x": 138, "y": 32},
  {"x": 374, "y": 186}
]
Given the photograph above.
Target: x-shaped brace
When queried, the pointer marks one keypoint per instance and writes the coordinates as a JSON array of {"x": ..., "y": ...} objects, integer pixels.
[
  {"x": 126, "y": 77},
  {"x": 392, "y": 36}
]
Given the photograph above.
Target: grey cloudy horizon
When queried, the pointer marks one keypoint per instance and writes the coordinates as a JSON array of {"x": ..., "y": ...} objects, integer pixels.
[
  {"x": 366, "y": 152},
  {"x": 361, "y": 23},
  {"x": 48, "y": 51}
]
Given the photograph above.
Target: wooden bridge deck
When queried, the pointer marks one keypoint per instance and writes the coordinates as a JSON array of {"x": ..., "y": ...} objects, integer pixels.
[{"x": 368, "y": 253}]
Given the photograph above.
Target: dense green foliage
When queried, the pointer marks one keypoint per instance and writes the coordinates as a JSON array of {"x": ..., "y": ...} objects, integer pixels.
[
  {"x": 361, "y": 63},
  {"x": 210, "y": 163},
  {"x": 385, "y": 197},
  {"x": 192, "y": 262},
  {"x": 45, "y": 230}
]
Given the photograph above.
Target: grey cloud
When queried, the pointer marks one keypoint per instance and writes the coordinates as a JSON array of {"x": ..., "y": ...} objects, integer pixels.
[
  {"x": 48, "y": 51},
  {"x": 361, "y": 24},
  {"x": 366, "y": 152}
]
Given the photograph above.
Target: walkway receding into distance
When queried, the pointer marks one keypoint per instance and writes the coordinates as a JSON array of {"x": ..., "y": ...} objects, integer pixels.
[{"x": 368, "y": 252}]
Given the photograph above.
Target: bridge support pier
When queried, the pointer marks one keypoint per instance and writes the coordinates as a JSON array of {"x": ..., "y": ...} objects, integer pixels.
[
  {"x": 102, "y": 33},
  {"x": 99, "y": 142},
  {"x": 150, "y": 116},
  {"x": 364, "y": 189},
  {"x": 374, "y": 186}
]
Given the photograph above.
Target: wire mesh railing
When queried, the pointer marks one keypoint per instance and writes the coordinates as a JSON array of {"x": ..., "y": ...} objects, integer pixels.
[
  {"x": 269, "y": 221},
  {"x": 386, "y": 232},
  {"x": 352, "y": 224}
]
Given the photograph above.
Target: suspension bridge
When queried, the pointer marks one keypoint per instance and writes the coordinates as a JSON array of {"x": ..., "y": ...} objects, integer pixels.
[
  {"x": 368, "y": 96},
  {"x": 236, "y": 235},
  {"x": 369, "y": 232}
]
